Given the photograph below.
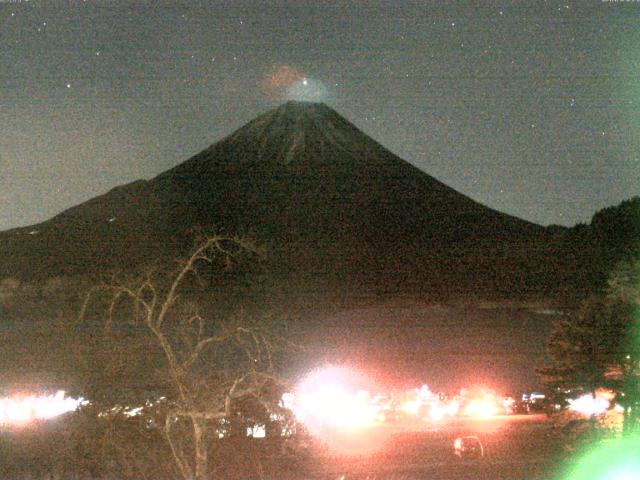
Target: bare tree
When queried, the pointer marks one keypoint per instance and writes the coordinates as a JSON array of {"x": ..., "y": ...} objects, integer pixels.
[{"x": 186, "y": 375}]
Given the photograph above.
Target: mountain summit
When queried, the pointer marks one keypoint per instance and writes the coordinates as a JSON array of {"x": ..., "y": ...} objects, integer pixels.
[{"x": 324, "y": 198}]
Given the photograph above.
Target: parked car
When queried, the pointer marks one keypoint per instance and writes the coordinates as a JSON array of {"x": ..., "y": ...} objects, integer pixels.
[{"x": 468, "y": 447}]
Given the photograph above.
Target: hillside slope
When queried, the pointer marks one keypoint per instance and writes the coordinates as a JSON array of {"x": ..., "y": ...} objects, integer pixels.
[{"x": 324, "y": 199}]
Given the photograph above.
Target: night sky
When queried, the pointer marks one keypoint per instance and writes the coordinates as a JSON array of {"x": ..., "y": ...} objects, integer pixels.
[{"x": 530, "y": 109}]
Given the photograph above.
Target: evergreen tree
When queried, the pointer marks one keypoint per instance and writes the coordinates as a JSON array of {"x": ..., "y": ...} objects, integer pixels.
[{"x": 599, "y": 346}]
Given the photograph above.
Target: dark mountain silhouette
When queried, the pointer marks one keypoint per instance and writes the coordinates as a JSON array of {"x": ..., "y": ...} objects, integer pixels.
[
  {"x": 361, "y": 247},
  {"x": 327, "y": 201}
]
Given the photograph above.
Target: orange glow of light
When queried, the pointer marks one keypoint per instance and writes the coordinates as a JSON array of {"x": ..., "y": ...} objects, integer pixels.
[
  {"x": 329, "y": 400},
  {"x": 20, "y": 410},
  {"x": 437, "y": 412},
  {"x": 588, "y": 405},
  {"x": 17, "y": 410},
  {"x": 412, "y": 407},
  {"x": 481, "y": 408},
  {"x": 452, "y": 408}
]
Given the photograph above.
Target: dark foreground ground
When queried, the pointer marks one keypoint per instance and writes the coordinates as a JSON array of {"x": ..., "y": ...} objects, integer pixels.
[{"x": 516, "y": 447}]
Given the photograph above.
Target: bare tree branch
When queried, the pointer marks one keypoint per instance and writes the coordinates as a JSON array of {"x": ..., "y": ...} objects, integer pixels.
[
  {"x": 178, "y": 455},
  {"x": 210, "y": 367}
]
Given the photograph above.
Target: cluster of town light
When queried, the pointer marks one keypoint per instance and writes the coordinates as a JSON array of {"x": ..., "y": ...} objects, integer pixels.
[
  {"x": 21, "y": 409},
  {"x": 423, "y": 403},
  {"x": 326, "y": 400}
]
